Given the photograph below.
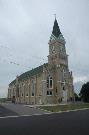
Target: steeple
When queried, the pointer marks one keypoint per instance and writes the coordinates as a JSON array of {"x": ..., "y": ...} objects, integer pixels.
[{"x": 56, "y": 31}]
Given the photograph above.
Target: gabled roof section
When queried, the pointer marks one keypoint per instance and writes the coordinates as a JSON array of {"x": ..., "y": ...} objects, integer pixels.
[
  {"x": 30, "y": 73},
  {"x": 56, "y": 31}
]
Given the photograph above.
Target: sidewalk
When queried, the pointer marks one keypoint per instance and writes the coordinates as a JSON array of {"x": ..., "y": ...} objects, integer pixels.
[
  {"x": 62, "y": 103},
  {"x": 34, "y": 106}
]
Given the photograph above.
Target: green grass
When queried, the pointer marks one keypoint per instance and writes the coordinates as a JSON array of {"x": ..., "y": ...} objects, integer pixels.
[
  {"x": 3, "y": 100},
  {"x": 58, "y": 108}
]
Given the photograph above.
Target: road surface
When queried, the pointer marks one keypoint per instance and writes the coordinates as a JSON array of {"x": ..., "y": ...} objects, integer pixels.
[{"x": 68, "y": 123}]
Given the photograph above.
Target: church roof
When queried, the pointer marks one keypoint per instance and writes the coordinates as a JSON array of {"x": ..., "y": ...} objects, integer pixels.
[
  {"x": 56, "y": 30},
  {"x": 30, "y": 73}
]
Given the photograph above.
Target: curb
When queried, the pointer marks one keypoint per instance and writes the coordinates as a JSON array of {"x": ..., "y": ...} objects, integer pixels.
[
  {"x": 45, "y": 110},
  {"x": 66, "y": 110}
]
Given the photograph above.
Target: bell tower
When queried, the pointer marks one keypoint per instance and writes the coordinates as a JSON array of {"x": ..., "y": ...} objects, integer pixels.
[
  {"x": 58, "y": 65},
  {"x": 57, "y": 50}
]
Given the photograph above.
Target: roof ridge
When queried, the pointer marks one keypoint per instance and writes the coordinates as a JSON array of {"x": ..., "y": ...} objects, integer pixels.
[{"x": 29, "y": 73}]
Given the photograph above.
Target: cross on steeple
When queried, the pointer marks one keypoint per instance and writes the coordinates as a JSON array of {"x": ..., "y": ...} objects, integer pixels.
[{"x": 55, "y": 16}]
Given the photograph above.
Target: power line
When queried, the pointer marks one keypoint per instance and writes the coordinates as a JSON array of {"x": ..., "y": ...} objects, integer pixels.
[
  {"x": 15, "y": 63},
  {"x": 18, "y": 64},
  {"x": 36, "y": 57}
]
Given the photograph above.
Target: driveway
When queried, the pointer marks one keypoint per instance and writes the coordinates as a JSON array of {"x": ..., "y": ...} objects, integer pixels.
[
  {"x": 6, "y": 112},
  {"x": 23, "y": 109}
]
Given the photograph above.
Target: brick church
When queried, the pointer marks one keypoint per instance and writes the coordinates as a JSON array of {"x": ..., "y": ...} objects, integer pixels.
[{"x": 50, "y": 83}]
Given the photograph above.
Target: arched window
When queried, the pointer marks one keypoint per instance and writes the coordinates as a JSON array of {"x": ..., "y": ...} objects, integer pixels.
[
  {"x": 33, "y": 88},
  {"x": 49, "y": 82},
  {"x": 63, "y": 75},
  {"x": 27, "y": 95},
  {"x": 17, "y": 91},
  {"x": 49, "y": 92},
  {"x": 63, "y": 87}
]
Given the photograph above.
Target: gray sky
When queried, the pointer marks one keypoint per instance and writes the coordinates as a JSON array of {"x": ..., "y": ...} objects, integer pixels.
[{"x": 25, "y": 29}]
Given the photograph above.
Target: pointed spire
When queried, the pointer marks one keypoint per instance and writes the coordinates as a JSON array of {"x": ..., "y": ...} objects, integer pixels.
[{"x": 56, "y": 31}]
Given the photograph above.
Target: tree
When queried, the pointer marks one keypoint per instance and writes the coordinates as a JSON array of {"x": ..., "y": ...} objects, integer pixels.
[
  {"x": 84, "y": 93},
  {"x": 77, "y": 97}
]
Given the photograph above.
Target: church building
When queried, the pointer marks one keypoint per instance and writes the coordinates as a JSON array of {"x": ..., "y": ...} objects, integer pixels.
[{"x": 50, "y": 83}]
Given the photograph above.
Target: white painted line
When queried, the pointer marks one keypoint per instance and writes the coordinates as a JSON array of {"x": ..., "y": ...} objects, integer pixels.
[{"x": 4, "y": 117}]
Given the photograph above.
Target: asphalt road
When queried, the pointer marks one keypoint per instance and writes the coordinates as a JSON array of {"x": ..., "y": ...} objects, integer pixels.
[
  {"x": 69, "y": 123},
  {"x": 6, "y": 112}
]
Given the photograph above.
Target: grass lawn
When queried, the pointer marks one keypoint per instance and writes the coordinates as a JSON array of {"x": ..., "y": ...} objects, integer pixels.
[{"x": 58, "y": 108}]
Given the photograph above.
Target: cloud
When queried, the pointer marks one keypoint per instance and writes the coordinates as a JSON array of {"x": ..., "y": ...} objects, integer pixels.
[
  {"x": 25, "y": 29},
  {"x": 82, "y": 79}
]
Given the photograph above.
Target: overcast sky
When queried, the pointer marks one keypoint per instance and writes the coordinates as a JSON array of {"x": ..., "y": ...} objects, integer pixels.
[{"x": 25, "y": 29}]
